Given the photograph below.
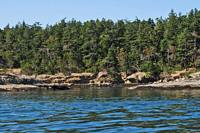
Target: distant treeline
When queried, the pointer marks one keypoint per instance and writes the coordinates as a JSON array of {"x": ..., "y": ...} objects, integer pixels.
[{"x": 72, "y": 46}]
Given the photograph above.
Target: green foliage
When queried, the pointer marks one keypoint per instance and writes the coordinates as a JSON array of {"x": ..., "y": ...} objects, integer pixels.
[
  {"x": 92, "y": 46},
  {"x": 27, "y": 68},
  {"x": 152, "y": 68}
]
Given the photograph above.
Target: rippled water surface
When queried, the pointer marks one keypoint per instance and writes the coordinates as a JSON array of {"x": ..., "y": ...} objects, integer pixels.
[{"x": 100, "y": 110}]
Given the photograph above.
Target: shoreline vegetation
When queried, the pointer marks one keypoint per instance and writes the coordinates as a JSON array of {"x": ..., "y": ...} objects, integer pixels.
[{"x": 145, "y": 53}]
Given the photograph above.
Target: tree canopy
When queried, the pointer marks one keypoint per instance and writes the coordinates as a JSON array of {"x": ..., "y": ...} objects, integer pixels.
[{"x": 92, "y": 46}]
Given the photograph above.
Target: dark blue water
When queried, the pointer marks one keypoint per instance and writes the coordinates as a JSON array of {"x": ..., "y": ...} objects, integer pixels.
[{"x": 100, "y": 110}]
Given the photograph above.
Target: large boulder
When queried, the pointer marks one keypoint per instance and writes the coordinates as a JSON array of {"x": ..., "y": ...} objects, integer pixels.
[
  {"x": 105, "y": 78},
  {"x": 137, "y": 77},
  {"x": 102, "y": 77},
  {"x": 102, "y": 74}
]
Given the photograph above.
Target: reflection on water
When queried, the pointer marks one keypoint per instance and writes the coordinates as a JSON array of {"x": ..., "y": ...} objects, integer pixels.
[{"x": 101, "y": 110}]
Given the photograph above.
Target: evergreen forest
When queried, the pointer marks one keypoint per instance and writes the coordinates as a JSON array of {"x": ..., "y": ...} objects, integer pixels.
[{"x": 152, "y": 45}]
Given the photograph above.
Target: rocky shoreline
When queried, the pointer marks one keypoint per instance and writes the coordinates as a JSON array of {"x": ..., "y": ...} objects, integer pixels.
[
  {"x": 14, "y": 80},
  {"x": 185, "y": 84}
]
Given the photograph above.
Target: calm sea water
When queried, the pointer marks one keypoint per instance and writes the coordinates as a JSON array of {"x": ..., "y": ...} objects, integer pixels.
[{"x": 100, "y": 110}]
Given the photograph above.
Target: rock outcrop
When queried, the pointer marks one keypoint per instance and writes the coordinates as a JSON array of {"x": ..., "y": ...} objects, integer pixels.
[
  {"x": 195, "y": 75},
  {"x": 14, "y": 77},
  {"x": 183, "y": 84},
  {"x": 137, "y": 76},
  {"x": 17, "y": 79},
  {"x": 15, "y": 71},
  {"x": 61, "y": 78},
  {"x": 17, "y": 87},
  {"x": 102, "y": 78},
  {"x": 184, "y": 74}
]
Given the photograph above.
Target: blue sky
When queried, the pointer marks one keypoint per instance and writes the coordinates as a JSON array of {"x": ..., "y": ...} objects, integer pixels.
[{"x": 52, "y": 11}]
